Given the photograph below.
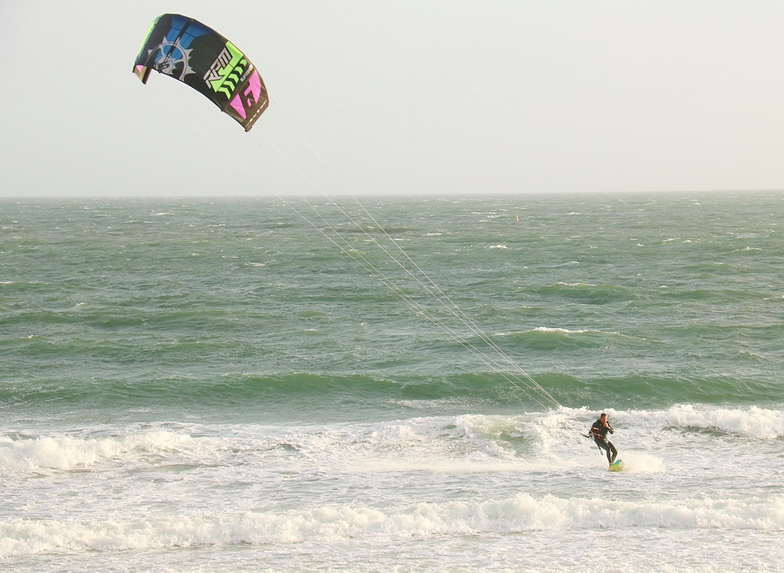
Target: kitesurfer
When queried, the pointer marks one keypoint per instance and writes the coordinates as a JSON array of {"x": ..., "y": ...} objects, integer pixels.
[{"x": 599, "y": 434}]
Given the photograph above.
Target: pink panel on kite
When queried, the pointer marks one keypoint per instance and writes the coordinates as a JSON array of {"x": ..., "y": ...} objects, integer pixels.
[
  {"x": 236, "y": 103},
  {"x": 254, "y": 87},
  {"x": 251, "y": 93}
]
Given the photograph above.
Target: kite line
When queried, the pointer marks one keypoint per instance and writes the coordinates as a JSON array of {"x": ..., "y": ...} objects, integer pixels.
[{"x": 224, "y": 75}]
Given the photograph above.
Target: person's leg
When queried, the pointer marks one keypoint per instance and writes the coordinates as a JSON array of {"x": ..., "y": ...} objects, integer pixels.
[
  {"x": 613, "y": 450},
  {"x": 603, "y": 445}
]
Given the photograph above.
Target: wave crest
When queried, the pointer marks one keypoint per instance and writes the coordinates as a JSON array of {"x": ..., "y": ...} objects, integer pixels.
[{"x": 518, "y": 514}]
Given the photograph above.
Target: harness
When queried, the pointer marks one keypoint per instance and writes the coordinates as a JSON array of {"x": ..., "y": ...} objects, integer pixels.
[{"x": 597, "y": 437}]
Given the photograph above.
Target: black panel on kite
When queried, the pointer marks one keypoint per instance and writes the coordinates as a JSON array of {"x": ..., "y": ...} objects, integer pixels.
[{"x": 197, "y": 55}]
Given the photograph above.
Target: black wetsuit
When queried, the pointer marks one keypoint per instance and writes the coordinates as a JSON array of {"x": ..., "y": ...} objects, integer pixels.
[{"x": 599, "y": 434}]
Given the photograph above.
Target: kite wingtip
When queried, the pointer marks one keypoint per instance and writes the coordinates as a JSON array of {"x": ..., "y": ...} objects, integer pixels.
[{"x": 142, "y": 72}]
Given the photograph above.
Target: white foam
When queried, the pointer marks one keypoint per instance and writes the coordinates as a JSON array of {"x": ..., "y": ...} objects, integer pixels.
[
  {"x": 518, "y": 514},
  {"x": 467, "y": 443},
  {"x": 753, "y": 422},
  {"x": 640, "y": 462},
  {"x": 567, "y": 331},
  {"x": 62, "y": 452}
]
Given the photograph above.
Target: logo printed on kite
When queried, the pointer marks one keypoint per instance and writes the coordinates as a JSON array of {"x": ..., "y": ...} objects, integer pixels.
[
  {"x": 171, "y": 58},
  {"x": 225, "y": 72}
]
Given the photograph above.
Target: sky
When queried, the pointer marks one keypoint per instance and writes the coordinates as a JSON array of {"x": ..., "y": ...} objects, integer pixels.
[{"x": 406, "y": 97}]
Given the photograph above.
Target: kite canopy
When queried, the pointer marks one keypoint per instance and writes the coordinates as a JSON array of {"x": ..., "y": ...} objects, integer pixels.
[{"x": 197, "y": 55}]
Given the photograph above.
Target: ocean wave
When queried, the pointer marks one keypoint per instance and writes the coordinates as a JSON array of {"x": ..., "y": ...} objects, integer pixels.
[
  {"x": 518, "y": 514},
  {"x": 37, "y": 454},
  {"x": 656, "y": 392},
  {"x": 752, "y": 422},
  {"x": 551, "y": 338},
  {"x": 171, "y": 395},
  {"x": 587, "y": 293},
  {"x": 470, "y": 443},
  {"x": 748, "y": 422},
  {"x": 567, "y": 331}
]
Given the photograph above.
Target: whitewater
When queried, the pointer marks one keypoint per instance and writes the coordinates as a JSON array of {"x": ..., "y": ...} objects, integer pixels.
[{"x": 210, "y": 385}]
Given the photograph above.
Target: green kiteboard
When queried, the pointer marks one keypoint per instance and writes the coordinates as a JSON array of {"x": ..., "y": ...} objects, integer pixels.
[{"x": 617, "y": 466}]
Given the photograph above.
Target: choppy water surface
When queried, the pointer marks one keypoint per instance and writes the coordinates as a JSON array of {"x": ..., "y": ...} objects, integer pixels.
[{"x": 193, "y": 385}]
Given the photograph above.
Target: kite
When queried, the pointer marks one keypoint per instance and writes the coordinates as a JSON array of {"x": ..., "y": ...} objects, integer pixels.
[{"x": 197, "y": 55}]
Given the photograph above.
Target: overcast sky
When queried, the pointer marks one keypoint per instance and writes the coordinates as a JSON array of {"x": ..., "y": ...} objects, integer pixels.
[{"x": 410, "y": 96}]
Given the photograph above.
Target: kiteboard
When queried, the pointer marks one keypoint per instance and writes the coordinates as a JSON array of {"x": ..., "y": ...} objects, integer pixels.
[{"x": 617, "y": 466}]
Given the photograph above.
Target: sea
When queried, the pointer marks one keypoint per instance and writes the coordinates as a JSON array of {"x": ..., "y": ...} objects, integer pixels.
[{"x": 392, "y": 384}]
